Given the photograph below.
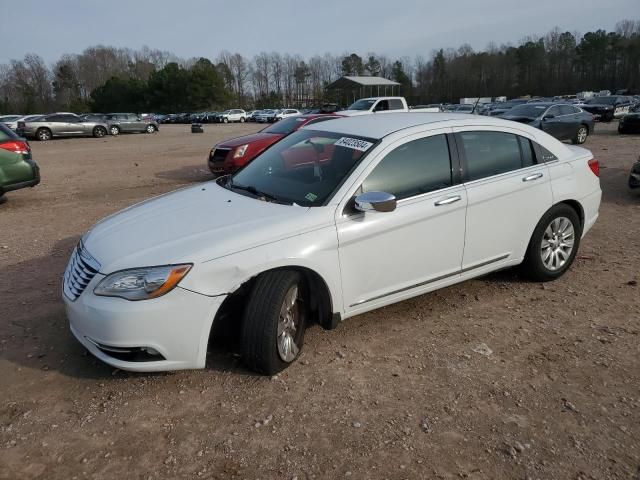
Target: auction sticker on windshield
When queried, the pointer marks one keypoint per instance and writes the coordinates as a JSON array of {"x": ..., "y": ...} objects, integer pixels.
[{"x": 354, "y": 144}]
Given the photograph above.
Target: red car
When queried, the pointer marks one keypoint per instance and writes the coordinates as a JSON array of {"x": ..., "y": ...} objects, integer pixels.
[{"x": 230, "y": 155}]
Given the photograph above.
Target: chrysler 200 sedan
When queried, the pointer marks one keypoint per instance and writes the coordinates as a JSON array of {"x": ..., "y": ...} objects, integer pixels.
[{"x": 336, "y": 219}]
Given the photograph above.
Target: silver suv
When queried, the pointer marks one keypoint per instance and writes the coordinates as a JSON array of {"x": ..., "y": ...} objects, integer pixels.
[
  {"x": 234, "y": 115},
  {"x": 61, "y": 125}
]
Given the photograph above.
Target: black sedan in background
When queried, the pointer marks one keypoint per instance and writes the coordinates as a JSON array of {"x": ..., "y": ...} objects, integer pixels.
[
  {"x": 608, "y": 107},
  {"x": 561, "y": 120},
  {"x": 634, "y": 178},
  {"x": 630, "y": 123}
]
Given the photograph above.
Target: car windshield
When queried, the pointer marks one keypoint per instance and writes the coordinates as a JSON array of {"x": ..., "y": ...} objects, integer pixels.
[
  {"x": 364, "y": 104},
  {"x": 531, "y": 111},
  {"x": 601, "y": 101},
  {"x": 305, "y": 168},
  {"x": 286, "y": 126}
]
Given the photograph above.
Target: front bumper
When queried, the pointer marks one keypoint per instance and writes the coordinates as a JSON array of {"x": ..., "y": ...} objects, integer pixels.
[{"x": 176, "y": 325}]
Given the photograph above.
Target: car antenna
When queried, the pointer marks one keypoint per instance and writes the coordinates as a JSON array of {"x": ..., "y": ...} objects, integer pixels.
[{"x": 475, "y": 105}]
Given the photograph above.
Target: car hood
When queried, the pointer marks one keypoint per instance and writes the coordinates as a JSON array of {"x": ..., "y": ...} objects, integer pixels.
[
  {"x": 191, "y": 225},
  {"x": 255, "y": 137}
]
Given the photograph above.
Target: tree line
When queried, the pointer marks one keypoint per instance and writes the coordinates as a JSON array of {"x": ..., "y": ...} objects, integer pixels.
[{"x": 103, "y": 78}]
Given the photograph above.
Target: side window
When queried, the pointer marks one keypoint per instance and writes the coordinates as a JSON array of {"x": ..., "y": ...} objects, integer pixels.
[
  {"x": 528, "y": 155},
  {"x": 53, "y": 118},
  {"x": 132, "y": 117},
  {"x": 69, "y": 118},
  {"x": 490, "y": 153},
  {"x": 382, "y": 106},
  {"x": 395, "y": 104},
  {"x": 417, "y": 167},
  {"x": 566, "y": 110},
  {"x": 555, "y": 111}
]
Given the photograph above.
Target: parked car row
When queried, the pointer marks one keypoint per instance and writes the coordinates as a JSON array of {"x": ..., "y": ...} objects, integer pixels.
[{"x": 63, "y": 124}]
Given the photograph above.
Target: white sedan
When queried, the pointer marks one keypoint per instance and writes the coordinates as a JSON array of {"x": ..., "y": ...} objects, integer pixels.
[{"x": 336, "y": 219}]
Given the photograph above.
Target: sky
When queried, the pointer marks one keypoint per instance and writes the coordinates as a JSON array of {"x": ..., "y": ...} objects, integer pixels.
[{"x": 194, "y": 28}]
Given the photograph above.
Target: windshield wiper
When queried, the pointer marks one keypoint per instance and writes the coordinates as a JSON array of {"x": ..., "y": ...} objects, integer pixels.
[{"x": 253, "y": 190}]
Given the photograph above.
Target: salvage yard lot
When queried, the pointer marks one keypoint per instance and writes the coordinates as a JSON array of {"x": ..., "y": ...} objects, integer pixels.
[{"x": 493, "y": 378}]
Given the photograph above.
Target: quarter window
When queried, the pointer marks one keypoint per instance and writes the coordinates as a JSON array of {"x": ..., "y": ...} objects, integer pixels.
[
  {"x": 417, "y": 167},
  {"x": 490, "y": 153}
]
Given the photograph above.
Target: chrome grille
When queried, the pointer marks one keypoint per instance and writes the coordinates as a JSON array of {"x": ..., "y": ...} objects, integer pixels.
[{"x": 81, "y": 269}]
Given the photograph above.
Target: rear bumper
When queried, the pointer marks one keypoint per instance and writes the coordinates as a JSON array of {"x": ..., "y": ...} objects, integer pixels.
[
  {"x": 31, "y": 182},
  {"x": 591, "y": 206}
]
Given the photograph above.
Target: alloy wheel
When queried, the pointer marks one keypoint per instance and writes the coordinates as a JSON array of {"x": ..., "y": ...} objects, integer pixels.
[
  {"x": 557, "y": 243},
  {"x": 288, "y": 324},
  {"x": 582, "y": 134}
]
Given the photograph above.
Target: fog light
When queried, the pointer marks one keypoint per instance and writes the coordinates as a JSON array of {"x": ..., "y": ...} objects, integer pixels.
[{"x": 151, "y": 351}]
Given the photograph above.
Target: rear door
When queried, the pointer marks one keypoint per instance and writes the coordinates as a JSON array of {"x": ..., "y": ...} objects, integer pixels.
[
  {"x": 136, "y": 123},
  {"x": 508, "y": 193},
  {"x": 71, "y": 125}
]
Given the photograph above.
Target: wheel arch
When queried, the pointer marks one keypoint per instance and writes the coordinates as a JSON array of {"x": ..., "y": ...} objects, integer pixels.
[
  {"x": 575, "y": 205},
  {"x": 321, "y": 301}
]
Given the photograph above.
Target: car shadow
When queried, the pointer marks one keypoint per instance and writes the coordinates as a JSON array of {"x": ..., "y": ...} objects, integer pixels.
[
  {"x": 614, "y": 184},
  {"x": 34, "y": 330}
]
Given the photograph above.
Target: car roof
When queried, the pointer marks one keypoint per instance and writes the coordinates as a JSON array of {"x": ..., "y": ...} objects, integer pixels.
[{"x": 380, "y": 125}]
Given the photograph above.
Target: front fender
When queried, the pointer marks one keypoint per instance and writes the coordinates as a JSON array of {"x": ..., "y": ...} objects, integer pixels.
[{"x": 316, "y": 251}]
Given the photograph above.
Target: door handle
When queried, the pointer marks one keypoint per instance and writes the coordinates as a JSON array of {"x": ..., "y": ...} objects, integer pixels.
[
  {"x": 533, "y": 177},
  {"x": 448, "y": 201}
]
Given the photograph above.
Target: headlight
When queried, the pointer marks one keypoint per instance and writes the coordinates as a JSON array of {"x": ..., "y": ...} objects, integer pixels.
[
  {"x": 142, "y": 283},
  {"x": 240, "y": 150}
]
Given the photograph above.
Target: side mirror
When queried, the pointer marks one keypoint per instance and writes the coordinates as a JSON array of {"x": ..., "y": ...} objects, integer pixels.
[{"x": 376, "y": 202}]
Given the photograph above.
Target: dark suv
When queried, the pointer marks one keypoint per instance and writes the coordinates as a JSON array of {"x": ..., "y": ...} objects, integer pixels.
[
  {"x": 17, "y": 168},
  {"x": 130, "y": 123}
]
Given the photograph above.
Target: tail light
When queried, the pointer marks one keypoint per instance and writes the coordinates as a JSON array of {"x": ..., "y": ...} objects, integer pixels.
[
  {"x": 595, "y": 167},
  {"x": 15, "y": 146}
]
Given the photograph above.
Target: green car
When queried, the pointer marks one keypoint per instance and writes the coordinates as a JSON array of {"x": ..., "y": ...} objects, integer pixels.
[{"x": 17, "y": 168}]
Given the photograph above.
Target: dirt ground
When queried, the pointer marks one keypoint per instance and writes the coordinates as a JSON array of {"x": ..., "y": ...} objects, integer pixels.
[{"x": 398, "y": 393}]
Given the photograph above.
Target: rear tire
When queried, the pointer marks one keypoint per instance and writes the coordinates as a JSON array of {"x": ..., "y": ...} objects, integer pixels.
[
  {"x": 581, "y": 135},
  {"x": 553, "y": 245},
  {"x": 43, "y": 134},
  {"x": 99, "y": 132},
  {"x": 274, "y": 321},
  {"x": 241, "y": 119}
]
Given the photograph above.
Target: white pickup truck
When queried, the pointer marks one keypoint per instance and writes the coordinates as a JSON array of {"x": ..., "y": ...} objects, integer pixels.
[{"x": 365, "y": 106}]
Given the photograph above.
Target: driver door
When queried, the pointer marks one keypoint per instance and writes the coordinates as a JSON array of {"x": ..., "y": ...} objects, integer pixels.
[
  {"x": 388, "y": 256},
  {"x": 552, "y": 122}
]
